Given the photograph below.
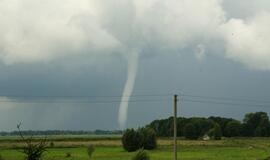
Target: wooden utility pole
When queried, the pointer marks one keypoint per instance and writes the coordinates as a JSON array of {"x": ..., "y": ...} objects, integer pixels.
[{"x": 175, "y": 126}]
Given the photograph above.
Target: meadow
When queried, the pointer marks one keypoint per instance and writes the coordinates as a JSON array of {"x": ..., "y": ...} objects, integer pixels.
[{"x": 109, "y": 148}]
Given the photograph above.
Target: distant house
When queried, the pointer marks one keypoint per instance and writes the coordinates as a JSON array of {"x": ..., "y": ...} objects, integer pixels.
[{"x": 206, "y": 137}]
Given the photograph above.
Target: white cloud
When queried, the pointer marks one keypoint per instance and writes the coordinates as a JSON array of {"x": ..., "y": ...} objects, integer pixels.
[
  {"x": 168, "y": 24},
  {"x": 247, "y": 41},
  {"x": 245, "y": 8},
  {"x": 36, "y": 30}
]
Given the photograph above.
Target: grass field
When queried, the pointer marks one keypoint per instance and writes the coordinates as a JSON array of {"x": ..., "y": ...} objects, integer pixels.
[{"x": 109, "y": 148}]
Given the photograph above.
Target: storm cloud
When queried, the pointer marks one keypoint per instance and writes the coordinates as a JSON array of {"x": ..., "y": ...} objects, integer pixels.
[{"x": 96, "y": 33}]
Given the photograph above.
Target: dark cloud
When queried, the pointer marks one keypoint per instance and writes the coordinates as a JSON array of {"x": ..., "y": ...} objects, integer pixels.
[{"x": 181, "y": 48}]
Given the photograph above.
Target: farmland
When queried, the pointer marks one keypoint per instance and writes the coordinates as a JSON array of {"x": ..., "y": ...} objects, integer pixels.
[{"x": 109, "y": 147}]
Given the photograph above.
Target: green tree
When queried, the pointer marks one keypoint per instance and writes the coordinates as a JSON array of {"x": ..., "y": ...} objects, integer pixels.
[
  {"x": 181, "y": 122},
  {"x": 202, "y": 125},
  {"x": 233, "y": 129},
  {"x": 263, "y": 129},
  {"x": 256, "y": 124},
  {"x": 222, "y": 123},
  {"x": 132, "y": 140},
  {"x": 149, "y": 138},
  {"x": 190, "y": 131},
  {"x": 215, "y": 132}
]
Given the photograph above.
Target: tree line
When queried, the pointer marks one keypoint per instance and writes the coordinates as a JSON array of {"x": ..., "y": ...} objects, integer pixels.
[
  {"x": 253, "y": 125},
  {"x": 60, "y": 132}
]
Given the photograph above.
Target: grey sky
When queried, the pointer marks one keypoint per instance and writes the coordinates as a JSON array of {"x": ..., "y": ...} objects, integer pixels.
[{"x": 87, "y": 56}]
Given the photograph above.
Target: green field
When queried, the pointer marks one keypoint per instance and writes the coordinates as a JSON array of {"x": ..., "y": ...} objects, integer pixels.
[{"x": 109, "y": 148}]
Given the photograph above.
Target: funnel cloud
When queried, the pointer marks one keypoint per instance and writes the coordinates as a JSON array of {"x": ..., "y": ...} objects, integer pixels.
[
  {"x": 35, "y": 32},
  {"x": 131, "y": 76}
]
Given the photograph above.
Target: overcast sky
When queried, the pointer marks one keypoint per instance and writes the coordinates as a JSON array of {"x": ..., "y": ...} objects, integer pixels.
[{"x": 55, "y": 48}]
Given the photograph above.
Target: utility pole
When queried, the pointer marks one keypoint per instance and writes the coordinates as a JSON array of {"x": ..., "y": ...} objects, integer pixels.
[{"x": 175, "y": 126}]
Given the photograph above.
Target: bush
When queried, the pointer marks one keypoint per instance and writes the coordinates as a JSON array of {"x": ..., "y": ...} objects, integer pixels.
[
  {"x": 215, "y": 133},
  {"x": 149, "y": 138},
  {"x": 1, "y": 158},
  {"x": 190, "y": 131},
  {"x": 132, "y": 140},
  {"x": 68, "y": 154},
  {"x": 141, "y": 155},
  {"x": 51, "y": 144},
  {"x": 32, "y": 150},
  {"x": 267, "y": 158},
  {"x": 90, "y": 151},
  {"x": 142, "y": 138}
]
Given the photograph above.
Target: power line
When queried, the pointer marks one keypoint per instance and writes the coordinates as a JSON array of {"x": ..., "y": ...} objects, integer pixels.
[
  {"x": 224, "y": 98},
  {"x": 134, "y": 99},
  {"x": 149, "y": 98},
  {"x": 131, "y": 96},
  {"x": 88, "y": 102},
  {"x": 83, "y": 96},
  {"x": 225, "y": 103}
]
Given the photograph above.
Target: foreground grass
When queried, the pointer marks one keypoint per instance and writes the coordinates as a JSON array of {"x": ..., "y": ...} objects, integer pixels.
[
  {"x": 117, "y": 153},
  {"x": 230, "y": 149}
]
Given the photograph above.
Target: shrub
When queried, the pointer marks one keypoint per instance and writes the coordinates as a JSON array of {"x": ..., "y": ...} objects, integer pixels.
[
  {"x": 267, "y": 158},
  {"x": 1, "y": 158},
  {"x": 190, "y": 131},
  {"x": 33, "y": 151},
  {"x": 68, "y": 154},
  {"x": 51, "y": 144},
  {"x": 90, "y": 151},
  {"x": 149, "y": 138},
  {"x": 132, "y": 140},
  {"x": 141, "y": 155}
]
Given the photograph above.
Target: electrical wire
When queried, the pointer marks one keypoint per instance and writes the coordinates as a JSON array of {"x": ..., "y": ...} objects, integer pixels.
[
  {"x": 133, "y": 99},
  {"x": 226, "y": 103},
  {"x": 224, "y": 98},
  {"x": 83, "y": 96},
  {"x": 94, "y": 102}
]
